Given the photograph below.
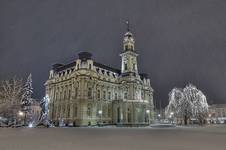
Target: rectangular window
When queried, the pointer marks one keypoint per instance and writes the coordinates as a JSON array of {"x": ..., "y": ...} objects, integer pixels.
[
  {"x": 109, "y": 95},
  {"x": 104, "y": 94},
  {"x": 116, "y": 96},
  {"x": 125, "y": 64},
  {"x": 125, "y": 95}
]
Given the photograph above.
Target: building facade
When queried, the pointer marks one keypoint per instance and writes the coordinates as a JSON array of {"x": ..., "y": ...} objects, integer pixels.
[
  {"x": 85, "y": 92},
  {"x": 217, "y": 113}
]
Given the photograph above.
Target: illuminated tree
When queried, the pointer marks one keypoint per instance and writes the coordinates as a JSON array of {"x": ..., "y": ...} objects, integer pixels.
[{"x": 187, "y": 103}]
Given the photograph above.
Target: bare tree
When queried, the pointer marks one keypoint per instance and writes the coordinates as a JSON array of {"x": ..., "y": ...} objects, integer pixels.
[{"x": 11, "y": 95}]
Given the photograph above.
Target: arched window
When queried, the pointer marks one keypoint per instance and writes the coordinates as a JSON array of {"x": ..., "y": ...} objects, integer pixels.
[
  {"x": 98, "y": 94},
  {"x": 134, "y": 67},
  {"x": 90, "y": 92},
  {"x": 90, "y": 66}
]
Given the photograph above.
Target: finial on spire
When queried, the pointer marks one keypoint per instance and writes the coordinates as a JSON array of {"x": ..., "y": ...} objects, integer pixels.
[{"x": 127, "y": 23}]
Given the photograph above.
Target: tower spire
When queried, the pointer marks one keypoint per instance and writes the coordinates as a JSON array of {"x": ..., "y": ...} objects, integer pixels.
[{"x": 128, "y": 27}]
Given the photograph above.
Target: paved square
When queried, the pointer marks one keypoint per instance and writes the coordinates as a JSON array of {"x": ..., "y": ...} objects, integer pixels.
[{"x": 208, "y": 138}]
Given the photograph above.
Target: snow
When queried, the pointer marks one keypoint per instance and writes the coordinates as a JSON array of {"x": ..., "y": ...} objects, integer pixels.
[{"x": 200, "y": 138}]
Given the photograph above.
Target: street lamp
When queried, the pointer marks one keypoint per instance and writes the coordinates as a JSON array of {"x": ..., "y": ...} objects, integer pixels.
[
  {"x": 100, "y": 112},
  {"x": 20, "y": 113},
  {"x": 148, "y": 113},
  {"x": 171, "y": 116}
]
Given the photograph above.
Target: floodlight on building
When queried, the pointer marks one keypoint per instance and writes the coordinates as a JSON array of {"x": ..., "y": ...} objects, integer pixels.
[{"x": 148, "y": 111}]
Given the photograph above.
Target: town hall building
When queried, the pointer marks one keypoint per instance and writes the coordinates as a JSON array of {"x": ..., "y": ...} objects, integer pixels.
[{"x": 85, "y": 92}]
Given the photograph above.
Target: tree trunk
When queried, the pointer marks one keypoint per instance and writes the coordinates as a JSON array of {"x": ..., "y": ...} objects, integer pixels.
[{"x": 185, "y": 120}]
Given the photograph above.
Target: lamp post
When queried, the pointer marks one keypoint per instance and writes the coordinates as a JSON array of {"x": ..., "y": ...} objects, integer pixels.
[
  {"x": 21, "y": 114},
  {"x": 100, "y": 112},
  {"x": 171, "y": 117},
  {"x": 148, "y": 113},
  {"x": 159, "y": 116}
]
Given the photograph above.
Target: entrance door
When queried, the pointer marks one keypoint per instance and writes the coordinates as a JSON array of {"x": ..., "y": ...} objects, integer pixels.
[{"x": 118, "y": 115}]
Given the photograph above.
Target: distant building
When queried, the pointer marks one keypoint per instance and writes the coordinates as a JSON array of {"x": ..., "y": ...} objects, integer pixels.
[
  {"x": 217, "y": 113},
  {"x": 85, "y": 92}
]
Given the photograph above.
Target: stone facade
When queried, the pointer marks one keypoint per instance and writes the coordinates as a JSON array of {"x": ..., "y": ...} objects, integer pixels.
[
  {"x": 217, "y": 113},
  {"x": 85, "y": 92}
]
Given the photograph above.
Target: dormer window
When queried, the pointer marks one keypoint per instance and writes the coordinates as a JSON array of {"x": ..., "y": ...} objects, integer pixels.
[
  {"x": 126, "y": 47},
  {"x": 102, "y": 71},
  {"x": 134, "y": 67},
  {"x": 125, "y": 64}
]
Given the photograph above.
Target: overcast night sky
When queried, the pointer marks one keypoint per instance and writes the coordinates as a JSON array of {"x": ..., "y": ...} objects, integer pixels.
[{"x": 178, "y": 41}]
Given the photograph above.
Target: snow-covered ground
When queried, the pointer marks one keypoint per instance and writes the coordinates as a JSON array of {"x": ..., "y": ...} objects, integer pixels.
[{"x": 207, "y": 138}]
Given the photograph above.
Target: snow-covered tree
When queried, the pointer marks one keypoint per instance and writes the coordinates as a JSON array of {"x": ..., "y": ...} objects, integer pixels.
[
  {"x": 179, "y": 105},
  {"x": 11, "y": 92},
  {"x": 200, "y": 109},
  {"x": 188, "y": 102},
  {"x": 27, "y": 99},
  {"x": 28, "y": 91}
]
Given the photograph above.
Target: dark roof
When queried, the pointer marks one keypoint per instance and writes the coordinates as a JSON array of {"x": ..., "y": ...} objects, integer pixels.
[
  {"x": 84, "y": 56},
  {"x": 64, "y": 67},
  {"x": 143, "y": 75},
  {"x": 106, "y": 67}
]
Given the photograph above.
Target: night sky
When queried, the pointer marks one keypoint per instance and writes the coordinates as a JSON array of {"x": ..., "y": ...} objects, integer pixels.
[{"x": 178, "y": 41}]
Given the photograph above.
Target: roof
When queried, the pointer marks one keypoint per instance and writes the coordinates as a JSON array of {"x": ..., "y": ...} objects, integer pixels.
[
  {"x": 106, "y": 67},
  {"x": 64, "y": 67}
]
